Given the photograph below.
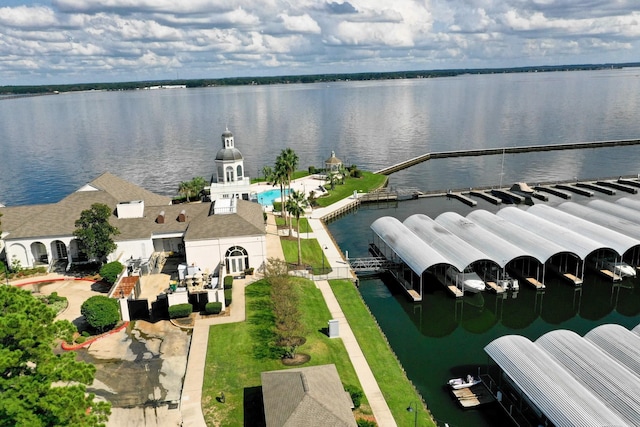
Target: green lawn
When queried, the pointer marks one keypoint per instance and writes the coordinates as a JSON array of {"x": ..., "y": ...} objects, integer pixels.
[
  {"x": 312, "y": 254},
  {"x": 394, "y": 384},
  {"x": 237, "y": 353},
  {"x": 304, "y": 224},
  {"x": 367, "y": 183}
]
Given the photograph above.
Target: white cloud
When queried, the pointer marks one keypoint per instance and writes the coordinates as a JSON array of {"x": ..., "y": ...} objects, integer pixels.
[{"x": 99, "y": 39}]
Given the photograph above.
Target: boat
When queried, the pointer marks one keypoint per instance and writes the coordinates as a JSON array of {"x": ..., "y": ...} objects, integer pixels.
[
  {"x": 620, "y": 268},
  {"x": 492, "y": 273},
  {"x": 467, "y": 281},
  {"x": 459, "y": 383}
]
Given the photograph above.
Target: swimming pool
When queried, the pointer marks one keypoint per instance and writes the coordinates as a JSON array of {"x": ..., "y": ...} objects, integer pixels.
[{"x": 266, "y": 198}]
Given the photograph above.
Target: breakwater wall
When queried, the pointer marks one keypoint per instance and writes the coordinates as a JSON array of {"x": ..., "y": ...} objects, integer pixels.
[{"x": 504, "y": 150}]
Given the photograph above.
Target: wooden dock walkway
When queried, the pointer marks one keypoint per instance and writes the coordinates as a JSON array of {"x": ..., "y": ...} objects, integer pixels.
[
  {"x": 494, "y": 287},
  {"x": 534, "y": 282},
  {"x": 473, "y": 396},
  {"x": 610, "y": 275},
  {"x": 572, "y": 278},
  {"x": 504, "y": 150}
]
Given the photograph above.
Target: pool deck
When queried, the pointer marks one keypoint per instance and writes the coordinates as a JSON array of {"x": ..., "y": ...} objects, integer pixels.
[{"x": 307, "y": 184}]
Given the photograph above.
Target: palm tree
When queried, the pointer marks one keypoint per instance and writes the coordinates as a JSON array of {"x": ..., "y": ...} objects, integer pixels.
[
  {"x": 290, "y": 159},
  {"x": 279, "y": 178},
  {"x": 296, "y": 204},
  {"x": 185, "y": 189},
  {"x": 332, "y": 179},
  {"x": 267, "y": 171}
]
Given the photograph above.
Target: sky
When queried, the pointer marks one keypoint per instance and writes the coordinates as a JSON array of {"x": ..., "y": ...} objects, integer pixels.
[{"x": 84, "y": 41}]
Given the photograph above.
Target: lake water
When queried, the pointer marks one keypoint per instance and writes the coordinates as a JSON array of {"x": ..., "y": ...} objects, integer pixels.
[{"x": 52, "y": 145}]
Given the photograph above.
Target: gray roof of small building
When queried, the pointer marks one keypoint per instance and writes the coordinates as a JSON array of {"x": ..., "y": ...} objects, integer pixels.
[
  {"x": 311, "y": 396},
  {"x": 228, "y": 154},
  {"x": 247, "y": 221}
]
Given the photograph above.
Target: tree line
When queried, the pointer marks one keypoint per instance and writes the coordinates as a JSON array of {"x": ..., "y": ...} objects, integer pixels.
[{"x": 295, "y": 79}]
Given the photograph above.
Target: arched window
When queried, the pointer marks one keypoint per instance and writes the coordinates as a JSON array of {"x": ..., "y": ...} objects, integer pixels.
[
  {"x": 236, "y": 260},
  {"x": 239, "y": 172},
  {"x": 229, "y": 177}
]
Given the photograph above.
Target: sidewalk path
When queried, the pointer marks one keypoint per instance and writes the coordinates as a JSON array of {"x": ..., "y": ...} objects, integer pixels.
[{"x": 190, "y": 405}]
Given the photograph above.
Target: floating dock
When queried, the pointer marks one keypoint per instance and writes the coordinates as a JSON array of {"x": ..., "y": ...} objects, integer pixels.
[
  {"x": 610, "y": 275},
  {"x": 488, "y": 197},
  {"x": 534, "y": 282},
  {"x": 494, "y": 287},
  {"x": 596, "y": 187},
  {"x": 574, "y": 189},
  {"x": 473, "y": 396},
  {"x": 627, "y": 188},
  {"x": 575, "y": 280},
  {"x": 553, "y": 191},
  {"x": 464, "y": 199}
]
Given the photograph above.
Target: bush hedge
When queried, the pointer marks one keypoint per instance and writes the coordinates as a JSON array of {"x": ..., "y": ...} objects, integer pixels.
[
  {"x": 101, "y": 312},
  {"x": 110, "y": 271},
  {"x": 227, "y": 297},
  {"x": 180, "y": 310},
  {"x": 213, "y": 308},
  {"x": 228, "y": 282},
  {"x": 356, "y": 395}
]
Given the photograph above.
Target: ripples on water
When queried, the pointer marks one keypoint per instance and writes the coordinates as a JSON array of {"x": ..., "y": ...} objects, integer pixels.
[{"x": 52, "y": 145}]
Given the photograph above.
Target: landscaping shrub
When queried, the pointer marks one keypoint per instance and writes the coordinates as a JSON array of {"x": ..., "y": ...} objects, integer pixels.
[
  {"x": 213, "y": 308},
  {"x": 228, "y": 282},
  {"x": 110, "y": 271},
  {"x": 81, "y": 339},
  {"x": 180, "y": 310},
  {"x": 365, "y": 423},
  {"x": 356, "y": 395},
  {"x": 277, "y": 206},
  {"x": 227, "y": 297},
  {"x": 101, "y": 312}
]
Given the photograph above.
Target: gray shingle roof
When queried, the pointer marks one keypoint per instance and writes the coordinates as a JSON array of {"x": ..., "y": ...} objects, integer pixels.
[
  {"x": 124, "y": 191},
  {"x": 247, "y": 221},
  {"x": 312, "y": 396}
]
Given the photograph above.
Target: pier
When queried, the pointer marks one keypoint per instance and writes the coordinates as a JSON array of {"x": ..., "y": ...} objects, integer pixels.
[{"x": 504, "y": 150}]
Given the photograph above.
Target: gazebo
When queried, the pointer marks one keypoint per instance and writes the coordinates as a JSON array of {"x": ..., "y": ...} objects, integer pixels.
[{"x": 333, "y": 164}]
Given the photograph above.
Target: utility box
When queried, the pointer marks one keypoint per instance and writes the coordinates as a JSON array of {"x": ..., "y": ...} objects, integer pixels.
[{"x": 334, "y": 328}]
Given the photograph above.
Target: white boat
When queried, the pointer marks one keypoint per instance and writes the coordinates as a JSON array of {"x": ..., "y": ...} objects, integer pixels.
[
  {"x": 467, "y": 281},
  {"x": 500, "y": 278},
  {"x": 620, "y": 268},
  {"x": 458, "y": 383}
]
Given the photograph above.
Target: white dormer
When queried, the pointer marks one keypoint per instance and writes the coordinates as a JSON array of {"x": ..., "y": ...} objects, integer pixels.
[{"x": 133, "y": 209}]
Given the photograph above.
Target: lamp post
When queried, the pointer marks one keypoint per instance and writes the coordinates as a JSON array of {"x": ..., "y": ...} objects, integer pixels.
[
  {"x": 325, "y": 248},
  {"x": 413, "y": 407}
]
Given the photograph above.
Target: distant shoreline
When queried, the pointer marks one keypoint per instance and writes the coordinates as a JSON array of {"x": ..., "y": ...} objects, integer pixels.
[{"x": 11, "y": 92}]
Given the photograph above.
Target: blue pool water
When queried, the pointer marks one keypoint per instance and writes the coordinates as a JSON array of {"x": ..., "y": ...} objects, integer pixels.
[{"x": 266, "y": 198}]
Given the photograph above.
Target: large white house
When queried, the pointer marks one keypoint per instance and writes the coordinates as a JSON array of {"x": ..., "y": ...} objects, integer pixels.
[{"x": 225, "y": 236}]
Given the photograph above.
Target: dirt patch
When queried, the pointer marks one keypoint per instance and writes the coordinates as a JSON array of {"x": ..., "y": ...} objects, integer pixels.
[{"x": 298, "y": 359}]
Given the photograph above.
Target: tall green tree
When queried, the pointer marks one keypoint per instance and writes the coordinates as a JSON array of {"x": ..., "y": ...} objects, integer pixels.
[
  {"x": 95, "y": 232},
  {"x": 38, "y": 387},
  {"x": 296, "y": 204},
  {"x": 286, "y": 164},
  {"x": 192, "y": 188},
  {"x": 280, "y": 179}
]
